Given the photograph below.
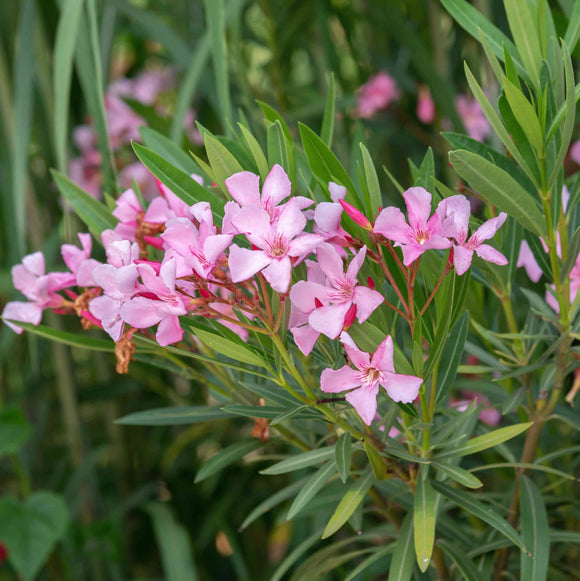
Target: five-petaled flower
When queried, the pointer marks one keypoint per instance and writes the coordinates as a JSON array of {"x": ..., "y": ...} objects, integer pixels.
[{"x": 368, "y": 375}]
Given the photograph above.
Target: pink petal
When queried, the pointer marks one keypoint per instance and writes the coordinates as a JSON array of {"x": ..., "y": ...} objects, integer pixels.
[
  {"x": 244, "y": 188},
  {"x": 418, "y": 202},
  {"x": 383, "y": 357},
  {"x": 85, "y": 272},
  {"x": 253, "y": 220},
  {"x": 279, "y": 274},
  {"x": 488, "y": 229},
  {"x": 169, "y": 331},
  {"x": 215, "y": 246},
  {"x": 181, "y": 235},
  {"x": 327, "y": 216},
  {"x": 21, "y": 311},
  {"x": 158, "y": 211},
  {"x": 337, "y": 192},
  {"x": 412, "y": 251},
  {"x": 454, "y": 213},
  {"x": 490, "y": 254},
  {"x": 140, "y": 312},
  {"x": 276, "y": 187},
  {"x": 366, "y": 301},
  {"x": 392, "y": 225},
  {"x": 167, "y": 273},
  {"x": 359, "y": 358},
  {"x": 462, "y": 258},
  {"x": 330, "y": 262},
  {"x": 355, "y": 265},
  {"x": 34, "y": 263},
  {"x": 402, "y": 388},
  {"x": 335, "y": 381},
  {"x": 292, "y": 221},
  {"x": 527, "y": 260},
  {"x": 303, "y": 245},
  {"x": 364, "y": 401},
  {"x": 329, "y": 320},
  {"x": 244, "y": 263},
  {"x": 303, "y": 294},
  {"x": 305, "y": 337}
]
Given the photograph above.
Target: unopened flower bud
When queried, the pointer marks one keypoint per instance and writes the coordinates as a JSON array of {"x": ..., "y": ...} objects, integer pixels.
[
  {"x": 371, "y": 283},
  {"x": 356, "y": 215},
  {"x": 317, "y": 303},
  {"x": 349, "y": 317}
]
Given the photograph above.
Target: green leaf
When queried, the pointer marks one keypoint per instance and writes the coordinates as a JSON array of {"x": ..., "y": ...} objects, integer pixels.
[
  {"x": 464, "y": 564},
  {"x": 372, "y": 180},
  {"x": 327, "y": 130},
  {"x": 272, "y": 501},
  {"x": 256, "y": 150},
  {"x": 173, "y": 542},
  {"x": 299, "y": 461},
  {"x": 424, "y": 519},
  {"x": 324, "y": 163},
  {"x": 486, "y": 441},
  {"x": 460, "y": 475},
  {"x": 31, "y": 529},
  {"x": 226, "y": 457},
  {"x": 525, "y": 115},
  {"x": 174, "y": 416},
  {"x": 277, "y": 147},
  {"x": 342, "y": 456},
  {"x": 272, "y": 116},
  {"x": 14, "y": 430},
  {"x": 523, "y": 28},
  {"x": 179, "y": 182},
  {"x": 223, "y": 163},
  {"x": 573, "y": 251},
  {"x": 294, "y": 556},
  {"x": 497, "y": 124},
  {"x": 378, "y": 555},
  {"x": 233, "y": 349},
  {"x": 451, "y": 356},
  {"x": 72, "y": 339},
  {"x": 289, "y": 414},
  {"x": 404, "y": 556},
  {"x": 499, "y": 188},
  {"x": 353, "y": 497},
  {"x": 168, "y": 150},
  {"x": 64, "y": 50},
  {"x": 470, "y": 19},
  {"x": 376, "y": 461},
  {"x": 311, "y": 488},
  {"x": 535, "y": 532},
  {"x": 267, "y": 412},
  {"x": 94, "y": 214},
  {"x": 573, "y": 30},
  {"x": 216, "y": 24},
  {"x": 481, "y": 511}
]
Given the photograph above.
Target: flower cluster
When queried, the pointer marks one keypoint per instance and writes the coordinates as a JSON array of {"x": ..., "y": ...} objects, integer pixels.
[
  {"x": 170, "y": 260},
  {"x": 148, "y": 88}
]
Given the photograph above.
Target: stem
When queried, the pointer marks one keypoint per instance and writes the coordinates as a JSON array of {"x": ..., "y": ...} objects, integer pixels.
[{"x": 445, "y": 272}]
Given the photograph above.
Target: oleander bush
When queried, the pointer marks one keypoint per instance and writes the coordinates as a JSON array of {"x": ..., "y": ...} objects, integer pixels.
[{"x": 297, "y": 290}]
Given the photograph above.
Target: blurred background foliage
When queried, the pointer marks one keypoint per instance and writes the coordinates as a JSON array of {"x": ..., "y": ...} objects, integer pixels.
[{"x": 134, "y": 510}]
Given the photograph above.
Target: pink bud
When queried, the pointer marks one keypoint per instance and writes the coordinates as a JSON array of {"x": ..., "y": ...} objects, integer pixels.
[
  {"x": 356, "y": 215},
  {"x": 204, "y": 293},
  {"x": 317, "y": 303},
  {"x": 371, "y": 283},
  {"x": 349, "y": 317}
]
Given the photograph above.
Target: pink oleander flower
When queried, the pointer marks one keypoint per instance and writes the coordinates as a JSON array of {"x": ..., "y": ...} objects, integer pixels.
[
  {"x": 244, "y": 187},
  {"x": 421, "y": 234},
  {"x": 79, "y": 260},
  {"x": 122, "y": 121},
  {"x": 157, "y": 302},
  {"x": 199, "y": 249},
  {"x": 85, "y": 138},
  {"x": 474, "y": 120},
  {"x": 85, "y": 171},
  {"x": 39, "y": 288},
  {"x": 370, "y": 373},
  {"x": 376, "y": 94},
  {"x": 277, "y": 243},
  {"x": 126, "y": 211},
  {"x": 150, "y": 83},
  {"x": 327, "y": 304},
  {"x": 168, "y": 205},
  {"x": 488, "y": 415},
  {"x": 527, "y": 260},
  {"x": 327, "y": 217},
  {"x": 425, "y": 106},
  {"x": 454, "y": 214}
]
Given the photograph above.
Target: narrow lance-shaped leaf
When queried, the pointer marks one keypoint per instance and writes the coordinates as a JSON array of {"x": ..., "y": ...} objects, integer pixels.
[
  {"x": 327, "y": 130},
  {"x": 372, "y": 180},
  {"x": 223, "y": 162},
  {"x": 226, "y": 457},
  {"x": 343, "y": 450},
  {"x": 489, "y": 440},
  {"x": 311, "y": 488},
  {"x": 350, "y": 501},
  {"x": 424, "y": 519},
  {"x": 256, "y": 151},
  {"x": 535, "y": 532},
  {"x": 499, "y": 188},
  {"x": 481, "y": 511},
  {"x": 464, "y": 564},
  {"x": 458, "y": 474},
  {"x": 299, "y": 461},
  {"x": 174, "y": 416},
  {"x": 404, "y": 556}
]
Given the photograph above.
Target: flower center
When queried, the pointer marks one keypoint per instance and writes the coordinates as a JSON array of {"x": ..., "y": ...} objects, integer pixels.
[
  {"x": 370, "y": 376},
  {"x": 421, "y": 236},
  {"x": 343, "y": 291},
  {"x": 277, "y": 247}
]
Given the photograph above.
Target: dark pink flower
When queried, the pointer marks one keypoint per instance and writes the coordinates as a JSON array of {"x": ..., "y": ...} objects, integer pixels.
[
  {"x": 376, "y": 94},
  {"x": 368, "y": 375},
  {"x": 420, "y": 234}
]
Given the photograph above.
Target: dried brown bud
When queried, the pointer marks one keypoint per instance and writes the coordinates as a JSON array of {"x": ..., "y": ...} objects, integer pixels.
[
  {"x": 124, "y": 351},
  {"x": 261, "y": 426}
]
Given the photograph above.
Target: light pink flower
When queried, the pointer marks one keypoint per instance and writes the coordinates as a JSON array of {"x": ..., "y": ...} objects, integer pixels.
[
  {"x": 527, "y": 260},
  {"x": 376, "y": 94},
  {"x": 142, "y": 311},
  {"x": 425, "y": 106},
  {"x": 473, "y": 118},
  {"x": 277, "y": 244},
  {"x": 454, "y": 214},
  {"x": 244, "y": 187},
  {"x": 79, "y": 260},
  {"x": 327, "y": 304},
  {"x": 85, "y": 171},
  {"x": 168, "y": 205},
  {"x": 421, "y": 234},
  {"x": 149, "y": 84},
  {"x": 370, "y": 373},
  {"x": 327, "y": 217}
]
